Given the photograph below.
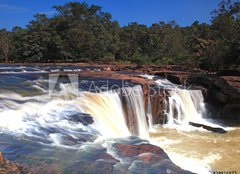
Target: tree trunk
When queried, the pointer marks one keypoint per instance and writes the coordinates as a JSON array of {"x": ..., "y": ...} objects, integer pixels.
[
  {"x": 4, "y": 45},
  {"x": 6, "y": 59}
]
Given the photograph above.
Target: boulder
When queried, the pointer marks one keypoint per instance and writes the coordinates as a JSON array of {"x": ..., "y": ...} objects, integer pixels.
[
  {"x": 209, "y": 128},
  {"x": 85, "y": 119},
  {"x": 145, "y": 158},
  {"x": 100, "y": 163},
  {"x": 7, "y": 167},
  {"x": 129, "y": 150}
]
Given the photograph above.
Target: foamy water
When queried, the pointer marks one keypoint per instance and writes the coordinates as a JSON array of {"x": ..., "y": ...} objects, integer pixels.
[
  {"x": 72, "y": 119},
  {"x": 200, "y": 151}
]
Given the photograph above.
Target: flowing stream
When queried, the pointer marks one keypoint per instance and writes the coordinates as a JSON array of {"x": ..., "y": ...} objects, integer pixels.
[{"x": 33, "y": 122}]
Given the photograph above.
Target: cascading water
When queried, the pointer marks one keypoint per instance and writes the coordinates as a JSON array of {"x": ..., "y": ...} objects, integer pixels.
[
  {"x": 184, "y": 106},
  {"x": 75, "y": 120},
  {"x": 135, "y": 112},
  {"x": 109, "y": 114},
  {"x": 175, "y": 105}
]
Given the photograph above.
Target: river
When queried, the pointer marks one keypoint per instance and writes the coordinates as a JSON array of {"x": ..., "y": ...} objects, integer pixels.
[{"x": 36, "y": 127}]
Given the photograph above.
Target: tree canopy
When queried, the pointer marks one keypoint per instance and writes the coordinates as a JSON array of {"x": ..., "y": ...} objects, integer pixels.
[{"x": 79, "y": 32}]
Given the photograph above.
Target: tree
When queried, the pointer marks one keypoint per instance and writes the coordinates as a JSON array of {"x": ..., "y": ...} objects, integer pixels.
[
  {"x": 82, "y": 32},
  {"x": 225, "y": 26},
  {"x": 5, "y": 44}
]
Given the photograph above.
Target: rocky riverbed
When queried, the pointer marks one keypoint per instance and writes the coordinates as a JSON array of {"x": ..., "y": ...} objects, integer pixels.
[
  {"x": 128, "y": 158},
  {"x": 222, "y": 93}
]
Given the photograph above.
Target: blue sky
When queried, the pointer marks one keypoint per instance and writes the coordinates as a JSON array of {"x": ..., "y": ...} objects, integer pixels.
[{"x": 185, "y": 12}]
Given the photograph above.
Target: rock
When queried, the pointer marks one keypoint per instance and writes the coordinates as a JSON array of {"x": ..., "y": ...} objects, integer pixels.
[
  {"x": 221, "y": 97},
  {"x": 149, "y": 158},
  {"x": 220, "y": 94},
  {"x": 87, "y": 167},
  {"x": 145, "y": 158},
  {"x": 209, "y": 128},
  {"x": 85, "y": 119},
  {"x": 1, "y": 157},
  {"x": 100, "y": 163},
  {"x": 129, "y": 150},
  {"x": 156, "y": 102},
  {"x": 231, "y": 111},
  {"x": 233, "y": 81},
  {"x": 7, "y": 167}
]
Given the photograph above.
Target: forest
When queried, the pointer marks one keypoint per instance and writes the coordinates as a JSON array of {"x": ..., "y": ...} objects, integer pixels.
[{"x": 79, "y": 32}]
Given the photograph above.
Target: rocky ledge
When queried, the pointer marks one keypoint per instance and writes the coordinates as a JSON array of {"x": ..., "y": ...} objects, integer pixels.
[
  {"x": 7, "y": 167},
  {"x": 222, "y": 93},
  {"x": 131, "y": 155}
]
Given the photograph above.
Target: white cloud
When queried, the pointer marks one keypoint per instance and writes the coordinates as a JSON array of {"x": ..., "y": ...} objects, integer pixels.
[
  {"x": 49, "y": 12},
  {"x": 10, "y": 8}
]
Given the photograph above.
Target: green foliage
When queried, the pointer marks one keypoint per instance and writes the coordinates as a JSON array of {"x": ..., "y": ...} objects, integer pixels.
[
  {"x": 79, "y": 32},
  {"x": 5, "y": 44},
  {"x": 140, "y": 59}
]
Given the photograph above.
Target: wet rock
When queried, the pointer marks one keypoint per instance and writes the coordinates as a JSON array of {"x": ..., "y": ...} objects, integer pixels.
[
  {"x": 85, "y": 119},
  {"x": 149, "y": 158},
  {"x": 7, "y": 167},
  {"x": 209, "y": 128},
  {"x": 129, "y": 150},
  {"x": 46, "y": 168},
  {"x": 88, "y": 167},
  {"x": 101, "y": 163},
  {"x": 221, "y": 94},
  {"x": 231, "y": 111},
  {"x": 146, "y": 158},
  {"x": 221, "y": 97},
  {"x": 233, "y": 81},
  {"x": 1, "y": 157},
  {"x": 155, "y": 102}
]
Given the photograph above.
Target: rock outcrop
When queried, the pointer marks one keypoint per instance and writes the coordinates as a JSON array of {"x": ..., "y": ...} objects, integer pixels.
[
  {"x": 131, "y": 155},
  {"x": 7, "y": 167},
  {"x": 146, "y": 158},
  {"x": 209, "y": 128},
  {"x": 221, "y": 93}
]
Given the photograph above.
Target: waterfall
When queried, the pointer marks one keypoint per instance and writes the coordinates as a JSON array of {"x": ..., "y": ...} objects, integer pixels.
[
  {"x": 173, "y": 105},
  {"x": 133, "y": 103},
  {"x": 184, "y": 106},
  {"x": 107, "y": 112},
  {"x": 118, "y": 113}
]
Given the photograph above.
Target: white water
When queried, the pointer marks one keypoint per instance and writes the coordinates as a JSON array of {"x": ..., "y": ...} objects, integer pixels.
[
  {"x": 106, "y": 109},
  {"x": 135, "y": 101},
  {"x": 31, "y": 114},
  {"x": 181, "y": 106}
]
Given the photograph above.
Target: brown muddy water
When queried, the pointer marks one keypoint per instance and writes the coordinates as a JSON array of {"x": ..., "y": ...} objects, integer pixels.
[{"x": 201, "y": 151}]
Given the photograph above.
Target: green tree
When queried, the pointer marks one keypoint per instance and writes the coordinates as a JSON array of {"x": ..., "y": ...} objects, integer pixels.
[{"x": 5, "y": 43}]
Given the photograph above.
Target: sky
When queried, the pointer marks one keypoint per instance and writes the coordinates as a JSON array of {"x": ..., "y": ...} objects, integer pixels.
[{"x": 184, "y": 12}]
